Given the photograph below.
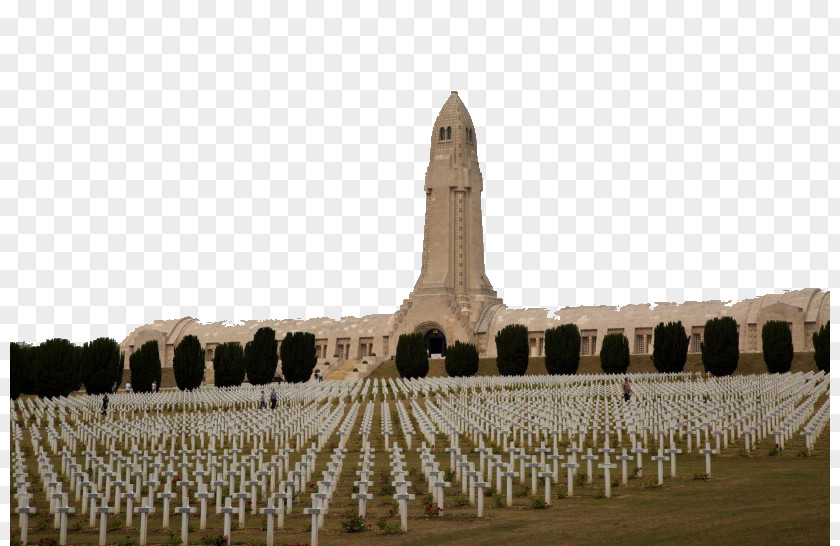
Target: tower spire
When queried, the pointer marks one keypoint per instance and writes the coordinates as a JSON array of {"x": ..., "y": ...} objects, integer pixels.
[{"x": 452, "y": 281}]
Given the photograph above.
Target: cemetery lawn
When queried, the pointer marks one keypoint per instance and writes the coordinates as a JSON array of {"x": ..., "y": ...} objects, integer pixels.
[
  {"x": 749, "y": 500},
  {"x": 748, "y": 363}
]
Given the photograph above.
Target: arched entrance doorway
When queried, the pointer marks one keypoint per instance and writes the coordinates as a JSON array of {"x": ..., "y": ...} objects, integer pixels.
[
  {"x": 436, "y": 342},
  {"x": 434, "y": 337}
]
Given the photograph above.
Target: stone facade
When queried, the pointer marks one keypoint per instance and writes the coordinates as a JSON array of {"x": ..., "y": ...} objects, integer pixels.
[{"x": 454, "y": 300}]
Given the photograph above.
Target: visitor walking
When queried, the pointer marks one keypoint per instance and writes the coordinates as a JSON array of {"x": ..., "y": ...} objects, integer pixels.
[
  {"x": 626, "y": 389},
  {"x": 262, "y": 400},
  {"x": 114, "y": 388},
  {"x": 127, "y": 386},
  {"x": 105, "y": 404},
  {"x": 154, "y": 386},
  {"x": 273, "y": 399}
]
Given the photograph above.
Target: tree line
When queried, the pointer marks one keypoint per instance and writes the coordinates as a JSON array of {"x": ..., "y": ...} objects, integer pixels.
[
  {"x": 57, "y": 367},
  {"x": 719, "y": 350}
]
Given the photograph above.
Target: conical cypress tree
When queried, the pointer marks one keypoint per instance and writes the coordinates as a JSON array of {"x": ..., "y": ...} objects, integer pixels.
[
  {"x": 512, "y": 350},
  {"x": 188, "y": 363},
  {"x": 145, "y": 367},
  {"x": 297, "y": 356},
  {"x": 562, "y": 349},
  {"x": 720, "y": 346}
]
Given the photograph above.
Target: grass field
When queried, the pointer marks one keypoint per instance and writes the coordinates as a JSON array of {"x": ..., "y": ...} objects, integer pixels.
[
  {"x": 749, "y": 500},
  {"x": 748, "y": 363}
]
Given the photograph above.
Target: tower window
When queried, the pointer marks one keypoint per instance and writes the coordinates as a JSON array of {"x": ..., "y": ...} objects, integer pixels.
[
  {"x": 442, "y": 133},
  {"x": 449, "y": 133}
]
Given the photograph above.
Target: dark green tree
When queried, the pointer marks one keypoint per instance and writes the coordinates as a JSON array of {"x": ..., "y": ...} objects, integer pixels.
[
  {"x": 229, "y": 364},
  {"x": 615, "y": 354},
  {"x": 28, "y": 366},
  {"x": 822, "y": 354},
  {"x": 16, "y": 364},
  {"x": 188, "y": 363},
  {"x": 57, "y": 368},
  {"x": 412, "y": 359},
  {"x": 512, "y": 350},
  {"x": 261, "y": 356},
  {"x": 720, "y": 346},
  {"x": 670, "y": 347},
  {"x": 145, "y": 367},
  {"x": 461, "y": 360},
  {"x": 297, "y": 356},
  {"x": 562, "y": 349},
  {"x": 101, "y": 365},
  {"x": 777, "y": 346}
]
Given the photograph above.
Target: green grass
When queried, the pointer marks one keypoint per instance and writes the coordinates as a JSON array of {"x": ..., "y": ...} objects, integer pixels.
[{"x": 748, "y": 363}]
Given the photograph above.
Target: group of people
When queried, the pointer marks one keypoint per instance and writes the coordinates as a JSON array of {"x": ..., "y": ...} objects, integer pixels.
[
  {"x": 272, "y": 399},
  {"x": 114, "y": 387}
]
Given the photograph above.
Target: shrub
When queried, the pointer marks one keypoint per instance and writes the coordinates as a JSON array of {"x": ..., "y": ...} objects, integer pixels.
[
  {"x": 228, "y": 364},
  {"x": 777, "y": 346},
  {"x": 461, "y": 360},
  {"x": 461, "y": 500},
  {"x": 352, "y": 523},
  {"x": 188, "y": 363},
  {"x": 388, "y": 526},
  {"x": 538, "y": 503},
  {"x": 562, "y": 349},
  {"x": 412, "y": 359},
  {"x": 499, "y": 501},
  {"x": 670, "y": 347},
  {"x": 521, "y": 491},
  {"x": 822, "y": 353},
  {"x": 57, "y": 368},
  {"x": 512, "y": 350},
  {"x": 261, "y": 356},
  {"x": 297, "y": 356},
  {"x": 145, "y": 367},
  {"x": 432, "y": 509},
  {"x": 615, "y": 354},
  {"x": 720, "y": 346}
]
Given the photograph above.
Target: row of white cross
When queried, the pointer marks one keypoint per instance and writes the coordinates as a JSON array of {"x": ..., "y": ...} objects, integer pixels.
[{"x": 142, "y": 457}]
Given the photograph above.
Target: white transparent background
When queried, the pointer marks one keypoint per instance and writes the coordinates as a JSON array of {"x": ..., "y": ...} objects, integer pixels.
[{"x": 256, "y": 160}]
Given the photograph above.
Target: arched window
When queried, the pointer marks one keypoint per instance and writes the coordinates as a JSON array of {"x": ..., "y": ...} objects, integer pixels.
[
  {"x": 449, "y": 133},
  {"x": 467, "y": 130},
  {"x": 442, "y": 133}
]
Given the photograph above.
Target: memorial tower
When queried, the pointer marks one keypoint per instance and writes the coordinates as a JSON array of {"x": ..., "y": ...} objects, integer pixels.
[{"x": 452, "y": 289}]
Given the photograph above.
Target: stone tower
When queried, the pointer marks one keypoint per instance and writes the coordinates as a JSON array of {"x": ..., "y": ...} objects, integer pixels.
[{"x": 452, "y": 290}]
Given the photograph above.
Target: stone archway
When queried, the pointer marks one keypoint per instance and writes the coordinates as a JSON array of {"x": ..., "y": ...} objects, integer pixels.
[{"x": 435, "y": 338}]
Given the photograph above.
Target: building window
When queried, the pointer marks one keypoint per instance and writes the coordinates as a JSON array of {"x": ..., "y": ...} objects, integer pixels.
[
  {"x": 442, "y": 133},
  {"x": 449, "y": 133},
  {"x": 584, "y": 345},
  {"x": 640, "y": 344},
  {"x": 696, "y": 341},
  {"x": 541, "y": 346},
  {"x": 594, "y": 338},
  {"x": 533, "y": 348}
]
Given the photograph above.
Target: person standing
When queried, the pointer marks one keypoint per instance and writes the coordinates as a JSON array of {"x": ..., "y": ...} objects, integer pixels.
[
  {"x": 262, "y": 400},
  {"x": 105, "y": 404},
  {"x": 127, "y": 386},
  {"x": 273, "y": 399},
  {"x": 114, "y": 388},
  {"x": 626, "y": 389},
  {"x": 154, "y": 386}
]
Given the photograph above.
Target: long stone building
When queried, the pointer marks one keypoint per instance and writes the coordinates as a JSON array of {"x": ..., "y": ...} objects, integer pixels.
[{"x": 454, "y": 300}]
